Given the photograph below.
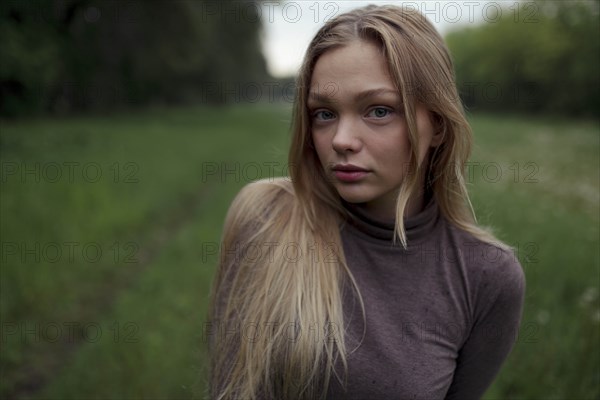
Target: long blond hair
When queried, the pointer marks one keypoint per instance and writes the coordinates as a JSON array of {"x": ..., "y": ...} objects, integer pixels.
[{"x": 261, "y": 286}]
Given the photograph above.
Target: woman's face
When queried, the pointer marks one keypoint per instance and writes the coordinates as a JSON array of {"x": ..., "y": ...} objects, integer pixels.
[{"x": 359, "y": 130}]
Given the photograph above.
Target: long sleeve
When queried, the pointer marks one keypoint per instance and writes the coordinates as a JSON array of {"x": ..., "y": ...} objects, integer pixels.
[{"x": 498, "y": 313}]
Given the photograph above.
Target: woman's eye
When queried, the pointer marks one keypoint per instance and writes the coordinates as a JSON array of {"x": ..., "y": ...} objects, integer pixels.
[
  {"x": 324, "y": 115},
  {"x": 379, "y": 112}
]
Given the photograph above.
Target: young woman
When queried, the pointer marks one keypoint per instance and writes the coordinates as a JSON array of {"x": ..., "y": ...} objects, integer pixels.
[{"x": 365, "y": 275}]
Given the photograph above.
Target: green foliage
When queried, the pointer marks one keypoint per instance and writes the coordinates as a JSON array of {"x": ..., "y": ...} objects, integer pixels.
[
  {"x": 541, "y": 57},
  {"x": 75, "y": 55},
  {"x": 157, "y": 199},
  {"x": 543, "y": 202},
  {"x": 31, "y": 58}
]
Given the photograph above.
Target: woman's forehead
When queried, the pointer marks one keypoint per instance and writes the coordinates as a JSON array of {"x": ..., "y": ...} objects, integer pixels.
[{"x": 357, "y": 70}]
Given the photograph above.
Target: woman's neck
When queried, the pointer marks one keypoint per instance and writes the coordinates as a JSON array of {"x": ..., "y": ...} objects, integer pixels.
[{"x": 387, "y": 212}]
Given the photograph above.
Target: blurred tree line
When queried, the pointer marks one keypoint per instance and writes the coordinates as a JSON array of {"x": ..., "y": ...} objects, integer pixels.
[
  {"x": 539, "y": 57},
  {"x": 62, "y": 56}
]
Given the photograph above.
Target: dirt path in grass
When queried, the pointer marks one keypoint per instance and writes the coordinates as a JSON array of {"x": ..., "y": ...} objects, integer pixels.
[{"x": 44, "y": 361}]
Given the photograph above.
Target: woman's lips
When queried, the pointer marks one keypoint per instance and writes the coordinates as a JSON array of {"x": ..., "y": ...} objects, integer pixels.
[
  {"x": 350, "y": 176},
  {"x": 349, "y": 172}
]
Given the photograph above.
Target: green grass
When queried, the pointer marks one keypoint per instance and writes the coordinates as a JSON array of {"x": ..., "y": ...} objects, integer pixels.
[
  {"x": 157, "y": 210},
  {"x": 549, "y": 211}
]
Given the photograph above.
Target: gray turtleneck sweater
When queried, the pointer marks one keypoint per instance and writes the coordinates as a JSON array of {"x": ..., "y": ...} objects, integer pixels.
[{"x": 441, "y": 316}]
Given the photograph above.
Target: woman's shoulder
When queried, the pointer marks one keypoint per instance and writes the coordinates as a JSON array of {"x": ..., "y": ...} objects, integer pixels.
[
  {"x": 491, "y": 266},
  {"x": 259, "y": 196},
  {"x": 256, "y": 202},
  {"x": 264, "y": 187}
]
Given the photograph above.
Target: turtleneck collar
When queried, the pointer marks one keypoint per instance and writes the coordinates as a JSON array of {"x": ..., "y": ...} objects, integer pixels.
[{"x": 416, "y": 226}]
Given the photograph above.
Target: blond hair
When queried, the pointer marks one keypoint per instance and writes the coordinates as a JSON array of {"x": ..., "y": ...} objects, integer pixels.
[{"x": 271, "y": 290}]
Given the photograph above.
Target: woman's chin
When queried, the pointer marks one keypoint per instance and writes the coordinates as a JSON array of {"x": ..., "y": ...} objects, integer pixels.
[{"x": 354, "y": 196}]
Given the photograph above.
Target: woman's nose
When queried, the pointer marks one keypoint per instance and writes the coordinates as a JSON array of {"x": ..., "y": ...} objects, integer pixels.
[{"x": 347, "y": 137}]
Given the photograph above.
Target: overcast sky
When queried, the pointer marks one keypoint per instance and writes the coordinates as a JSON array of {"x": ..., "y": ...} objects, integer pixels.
[{"x": 290, "y": 25}]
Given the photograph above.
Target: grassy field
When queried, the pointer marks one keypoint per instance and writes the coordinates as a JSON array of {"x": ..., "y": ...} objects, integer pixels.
[{"x": 109, "y": 226}]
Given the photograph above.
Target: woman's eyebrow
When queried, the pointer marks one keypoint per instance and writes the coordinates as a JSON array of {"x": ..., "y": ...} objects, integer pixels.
[
  {"x": 328, "y": 97},
  {"x": 374, "y": 93}
]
